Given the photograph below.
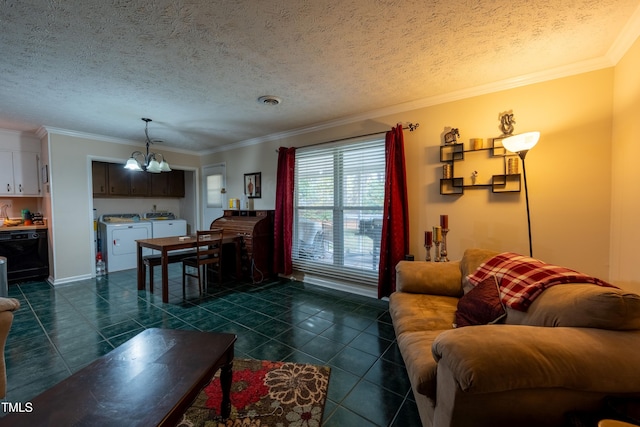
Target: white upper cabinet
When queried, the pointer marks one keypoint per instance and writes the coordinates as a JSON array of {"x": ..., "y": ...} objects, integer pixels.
[
  {"x": 6, "y": 172},
  {"x": 19, "y": 165},
  {"x": 19, "y": 174}
]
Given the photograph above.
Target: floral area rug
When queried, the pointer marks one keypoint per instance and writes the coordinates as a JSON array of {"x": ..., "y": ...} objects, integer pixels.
[{"x": 264, "y": 393}]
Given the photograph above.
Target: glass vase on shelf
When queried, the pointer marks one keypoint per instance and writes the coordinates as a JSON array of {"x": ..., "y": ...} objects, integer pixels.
[{"x": 474, "y": 177}]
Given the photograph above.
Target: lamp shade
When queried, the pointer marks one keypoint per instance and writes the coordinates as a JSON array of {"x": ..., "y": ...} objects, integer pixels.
[
  {"x": 164, "y": 166},
  {"x": 153, "y": 166},
  {"x": 149, "y": 161},
  {"x": 132, "y": 164},
  {"x": 521, "y": 142}
]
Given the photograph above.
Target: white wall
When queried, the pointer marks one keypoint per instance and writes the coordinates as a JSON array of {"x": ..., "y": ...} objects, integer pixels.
[
  {"x": 71, "y": 224},
  {"x": 584, "y": 194},
  {"x": 569, "y": 171},
  {"x": 625, "y": 189}
]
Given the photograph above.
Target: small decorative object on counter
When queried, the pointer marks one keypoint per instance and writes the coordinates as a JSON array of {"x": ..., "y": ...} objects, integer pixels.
[
  {"x": 234, "y": 204},
  {"x": 101, "y": 268},
  {"x": 3, "y": 212},
  {"x": 476, "y": 143},
  {"x": 37, "y": 218}
]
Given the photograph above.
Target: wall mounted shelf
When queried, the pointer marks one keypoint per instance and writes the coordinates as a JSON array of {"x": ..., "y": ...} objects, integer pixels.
[{"x": 504, "y": 182}]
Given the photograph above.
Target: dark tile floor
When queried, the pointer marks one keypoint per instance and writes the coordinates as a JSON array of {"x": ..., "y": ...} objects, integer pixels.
[{"x": 57, "y": 331}]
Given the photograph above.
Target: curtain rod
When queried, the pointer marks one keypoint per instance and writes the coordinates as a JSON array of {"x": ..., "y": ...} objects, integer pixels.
[{"x": 409, "y": 126}]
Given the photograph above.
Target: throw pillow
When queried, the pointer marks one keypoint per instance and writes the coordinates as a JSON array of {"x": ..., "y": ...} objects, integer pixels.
[{"x": 482, "y": 305}]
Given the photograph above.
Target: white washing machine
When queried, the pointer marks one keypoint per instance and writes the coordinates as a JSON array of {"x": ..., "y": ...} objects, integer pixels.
[
  {"x": 165, "y": 224},
  {"x": 119, "y": 233}
]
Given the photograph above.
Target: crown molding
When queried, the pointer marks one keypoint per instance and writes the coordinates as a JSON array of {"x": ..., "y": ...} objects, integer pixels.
[
  {"x": 627, "y": 37},
  {"x": 512, "y": 83},
  {"x": 10, "y": 133},
  {"x": 45, "y": 130},
  {"x": 41, "y": 132}
]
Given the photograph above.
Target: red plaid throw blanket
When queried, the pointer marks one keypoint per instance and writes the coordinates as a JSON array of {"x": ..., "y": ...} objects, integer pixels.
[{"x": 522, "y": 278}]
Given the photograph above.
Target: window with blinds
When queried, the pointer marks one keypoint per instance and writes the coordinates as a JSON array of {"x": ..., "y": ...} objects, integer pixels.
[{"x": 339, "y": 197}]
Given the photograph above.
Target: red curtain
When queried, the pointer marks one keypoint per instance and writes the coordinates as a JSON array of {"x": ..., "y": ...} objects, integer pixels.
[
  {"x": 283, "y": 220},
  {"x": 394, "y": 244}
]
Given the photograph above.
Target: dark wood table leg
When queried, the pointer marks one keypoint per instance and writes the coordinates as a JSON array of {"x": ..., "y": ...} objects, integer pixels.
[
  {"x": 165, "y": 276},
  {"x": 140, "y": 269},
  {"x": 101, "y": 393},
  {"x": 225, "y": 382}
]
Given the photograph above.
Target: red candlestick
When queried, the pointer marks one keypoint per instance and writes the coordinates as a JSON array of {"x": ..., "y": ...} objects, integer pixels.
[
  {"x": 428, "y": 238},
  {"x": 444, "y": 221}
]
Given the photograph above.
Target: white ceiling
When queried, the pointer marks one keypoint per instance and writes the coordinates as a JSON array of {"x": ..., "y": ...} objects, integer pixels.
[{"x": 197, "y": 67}]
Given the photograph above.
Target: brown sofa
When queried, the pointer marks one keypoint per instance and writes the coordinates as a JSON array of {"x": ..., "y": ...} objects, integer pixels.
[
  {"x": 7, "y": 307},
  {"x": 575, "y": 345}
]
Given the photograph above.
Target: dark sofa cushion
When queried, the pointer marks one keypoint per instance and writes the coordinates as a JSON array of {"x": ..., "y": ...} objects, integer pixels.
[{"x": 481, "y": 305}]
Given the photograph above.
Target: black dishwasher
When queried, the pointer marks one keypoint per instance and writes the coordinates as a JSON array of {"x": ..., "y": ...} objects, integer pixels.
[{"x": 27, "y": 253}]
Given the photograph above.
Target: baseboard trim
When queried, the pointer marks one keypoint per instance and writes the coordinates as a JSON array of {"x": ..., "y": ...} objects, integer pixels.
[{"x": 363, "y": 290}]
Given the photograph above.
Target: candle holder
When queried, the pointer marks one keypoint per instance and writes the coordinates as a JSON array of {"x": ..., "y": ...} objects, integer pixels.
[
  {"x": 437, "y": 252},
  {"x": 443, "y": 252},
  {"x": 428, "y": 257}
]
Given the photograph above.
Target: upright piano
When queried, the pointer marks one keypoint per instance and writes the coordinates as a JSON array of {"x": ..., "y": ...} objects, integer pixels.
[{"x": 256, "y": 229}]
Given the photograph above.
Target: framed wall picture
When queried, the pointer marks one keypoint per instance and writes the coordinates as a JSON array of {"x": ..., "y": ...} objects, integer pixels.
[{"x": 253, "y": 185}]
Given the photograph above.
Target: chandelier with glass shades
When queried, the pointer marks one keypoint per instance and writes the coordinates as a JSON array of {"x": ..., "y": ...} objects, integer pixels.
[{"x": 149, "y": 162}]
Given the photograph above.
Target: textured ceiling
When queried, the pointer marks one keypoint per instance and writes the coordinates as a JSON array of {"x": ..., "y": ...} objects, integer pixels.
[{"x": 197, "y": 67}]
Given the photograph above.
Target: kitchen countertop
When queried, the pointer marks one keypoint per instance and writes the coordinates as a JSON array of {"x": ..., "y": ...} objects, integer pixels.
[{"x": 22, "y": 227}]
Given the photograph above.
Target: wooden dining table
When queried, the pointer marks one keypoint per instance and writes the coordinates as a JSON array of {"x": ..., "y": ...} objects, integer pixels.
[{"x": 174, "y": 243}]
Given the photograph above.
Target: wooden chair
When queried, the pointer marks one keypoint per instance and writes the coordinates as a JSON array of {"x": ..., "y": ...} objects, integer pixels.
[
  {"x": 155, "y": 260},
  {"x": 208, "y": 257}
]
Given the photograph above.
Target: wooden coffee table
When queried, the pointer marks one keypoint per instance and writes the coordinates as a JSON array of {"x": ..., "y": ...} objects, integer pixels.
[{"x": 149, "y": 380}]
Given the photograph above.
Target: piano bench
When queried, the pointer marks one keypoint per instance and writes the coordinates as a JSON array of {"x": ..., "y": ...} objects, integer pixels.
[{"x": 156, "y": 259}]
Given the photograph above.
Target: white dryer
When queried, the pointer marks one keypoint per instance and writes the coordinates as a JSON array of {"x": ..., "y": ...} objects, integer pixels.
[
  {"x": 165, "y": 224},
  {"x": 119, "y": 233}
]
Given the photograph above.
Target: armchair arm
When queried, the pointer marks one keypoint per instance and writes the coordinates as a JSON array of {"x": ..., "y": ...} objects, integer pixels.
[
  {"x": 7, "y": 307},
  {"x": 9, "y": 304},
  {"x": 435, "y": 278},
  {"x": 494, "y": 358}
]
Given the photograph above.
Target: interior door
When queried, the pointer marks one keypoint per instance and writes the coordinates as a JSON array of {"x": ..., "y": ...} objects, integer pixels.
[{"x": 214, "y": 195}]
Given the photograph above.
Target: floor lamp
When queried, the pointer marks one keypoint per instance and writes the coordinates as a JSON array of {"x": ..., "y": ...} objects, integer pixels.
[{"x": 521, "y": 144}]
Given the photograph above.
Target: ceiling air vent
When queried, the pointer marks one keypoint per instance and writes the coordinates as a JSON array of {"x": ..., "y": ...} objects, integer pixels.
[{"x": 269, "y": 100}]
